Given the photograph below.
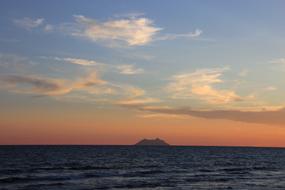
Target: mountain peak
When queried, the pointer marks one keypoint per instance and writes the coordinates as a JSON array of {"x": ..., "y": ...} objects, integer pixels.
[{"x": 152, "y": 142}]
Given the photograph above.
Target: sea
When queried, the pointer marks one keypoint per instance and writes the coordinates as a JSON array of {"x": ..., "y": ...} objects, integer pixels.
[{"x": 137, "y": 167}]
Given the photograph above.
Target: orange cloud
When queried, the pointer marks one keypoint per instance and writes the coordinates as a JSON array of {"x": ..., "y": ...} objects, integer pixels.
[
  {"x": 130, "y": 31},
  {"x": 273, "y": 117},
  {"x": 199, "y": 85},
  {"x": 34, "y": 85}
]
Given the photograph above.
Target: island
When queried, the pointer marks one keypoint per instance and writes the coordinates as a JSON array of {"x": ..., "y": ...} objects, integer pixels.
[{"x": 152, "y": 142}]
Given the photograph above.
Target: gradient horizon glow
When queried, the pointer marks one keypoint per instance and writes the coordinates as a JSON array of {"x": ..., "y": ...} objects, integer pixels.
[{"x": 114, "y": 72}]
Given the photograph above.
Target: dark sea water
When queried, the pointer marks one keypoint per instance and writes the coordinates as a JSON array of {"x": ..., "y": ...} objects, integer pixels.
[{"x": 130, "y": 167}]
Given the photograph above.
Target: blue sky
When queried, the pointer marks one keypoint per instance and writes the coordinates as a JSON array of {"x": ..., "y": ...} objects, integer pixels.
[{"x": 207, "y": 55}]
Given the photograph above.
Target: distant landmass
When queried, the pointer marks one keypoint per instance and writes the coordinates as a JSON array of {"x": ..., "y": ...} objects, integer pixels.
[{"x": 152, "y": 142}]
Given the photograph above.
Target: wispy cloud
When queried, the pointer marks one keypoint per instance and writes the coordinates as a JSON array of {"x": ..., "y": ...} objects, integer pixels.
[
  {"x": 200, "y": 84},
  {"x": 137, "y": 102},
  {"x": 274, "y": 117},
  {"x": 77, "y": 61},
  {"x": 123, "y": 30},
  {"x": 90, "y": 84},
  {"x": 280, "y": 61},
  {"x": 270, "y": 88},
  {"x": 130, "y": 15},
  {"x": 129, "y": 69},
  {"x": 90, "y": 87},
  {"x": 125, "y": 69},
  {"x": 34, "y": 85},
  {"x": 48, "y": 28},
  {"x": 29, "y": 23},
  {"x": 131, "y": 31},
  {"x": 132, "y": 91},
  {"x": 189, "y": 35},
  {"x": 243, "y": 73},
  {"x": 89, "y": 81},
  {"x": 162, "y": 116}
]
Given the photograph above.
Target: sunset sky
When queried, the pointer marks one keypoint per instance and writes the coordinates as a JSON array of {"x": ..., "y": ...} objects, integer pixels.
[{"x": 198, "y": 72}]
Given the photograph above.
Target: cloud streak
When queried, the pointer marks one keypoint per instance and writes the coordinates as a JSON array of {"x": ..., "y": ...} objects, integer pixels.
[
  {"x": 77, "y": 61},
  {"x": 29, "y": 23},
  {"x": 129, "y": 31},
  {"x": 87, "y": 88},
  {"x": 162, "y": 116},
  {"x": 275, "y": 117},
  {"x": 129, "y": 70},
  {"x": 280, "y": 61},
  {"x": 125, "y": 69},
  {"x": 137, "y": 102},
  {"x": 34, "y": 85},
  {"x": 200, "y": 85},
  {"x": 189, "y": 35}
]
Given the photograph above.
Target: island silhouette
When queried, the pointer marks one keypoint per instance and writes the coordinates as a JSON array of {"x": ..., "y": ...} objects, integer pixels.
[{"x": 152, "y": 142}]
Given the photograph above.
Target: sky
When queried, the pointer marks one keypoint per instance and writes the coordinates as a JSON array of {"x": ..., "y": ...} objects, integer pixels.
[{"x": 196, "y": 72}]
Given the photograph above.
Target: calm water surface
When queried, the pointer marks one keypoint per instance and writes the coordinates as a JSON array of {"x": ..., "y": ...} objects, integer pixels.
[{"x": 129, "y": 167}]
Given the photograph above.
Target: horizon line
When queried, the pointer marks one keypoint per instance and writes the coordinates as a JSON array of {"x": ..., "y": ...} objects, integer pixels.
[{"x": 170, "y": 145}]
